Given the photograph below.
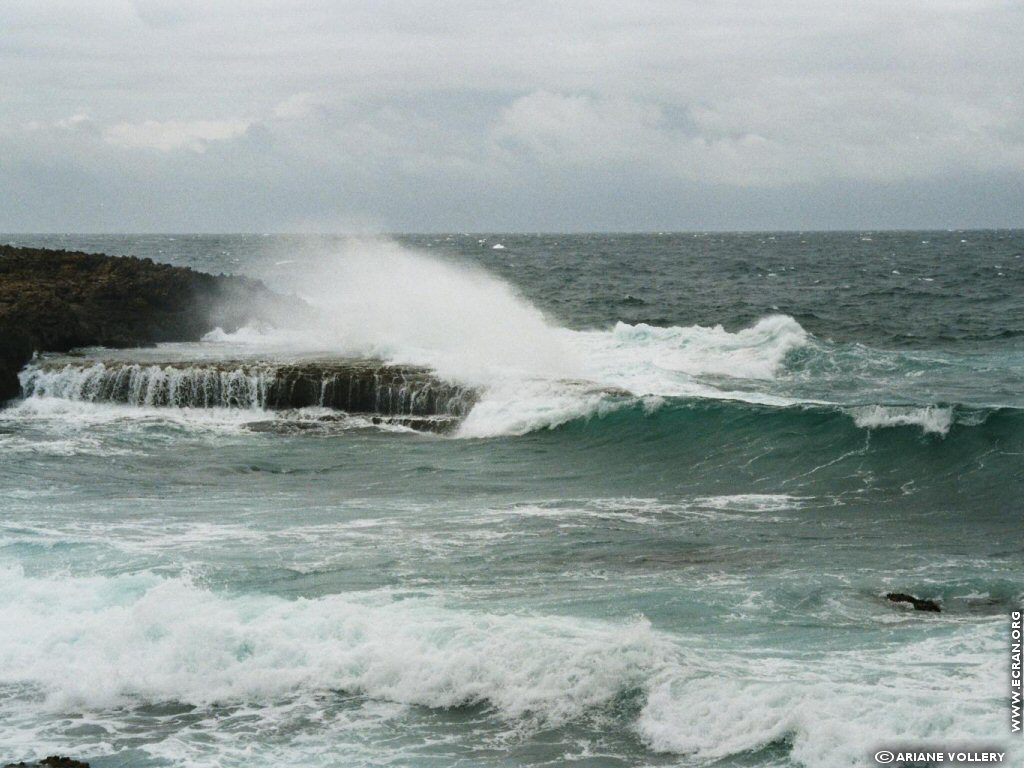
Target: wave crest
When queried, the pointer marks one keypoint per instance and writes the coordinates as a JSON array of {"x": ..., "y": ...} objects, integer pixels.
[
  {"x": 103, "y": 642},
  {"x": 757, "y": 352},
  {"x": 931, "y": 419}
]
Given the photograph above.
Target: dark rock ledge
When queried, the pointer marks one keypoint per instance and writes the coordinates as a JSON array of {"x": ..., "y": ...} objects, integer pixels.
[
  {"x": 53, "y": 761},
  {"x": 54, "y": 301}
]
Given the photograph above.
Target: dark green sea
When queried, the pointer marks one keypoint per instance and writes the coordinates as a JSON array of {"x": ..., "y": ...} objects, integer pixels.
[{"x": 662, "y": 536}]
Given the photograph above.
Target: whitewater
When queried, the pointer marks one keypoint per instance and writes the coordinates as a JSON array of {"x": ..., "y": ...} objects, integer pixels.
[{"x": 580, "y": 500}]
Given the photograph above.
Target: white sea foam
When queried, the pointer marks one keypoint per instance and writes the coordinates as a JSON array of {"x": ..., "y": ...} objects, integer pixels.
[
  {"x": 931, "y": 419},
  {"x": 831, "y": 714},
  {"x": 750, "y": 508},
  {"x": 100, "y": 642},
  {"x": 68, "y": 427},
  {"x": 93, "y": 644},
  {"x": 256, "y": 335},
  {"x": 517, "y": 406},
  {"x": 641, "y": 361},
  {"x": 151, "y": 385},
  {"x": 752, "y": 502},
  {"x": 757, "y": 352},
  {"x": 67, "y": 416}
]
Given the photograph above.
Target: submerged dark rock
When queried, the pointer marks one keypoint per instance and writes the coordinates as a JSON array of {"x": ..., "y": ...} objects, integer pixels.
[
  {"x": 920, "y": 604},
  {"x": 55, "y": 301},
  {"x": 53, "y": 761}
]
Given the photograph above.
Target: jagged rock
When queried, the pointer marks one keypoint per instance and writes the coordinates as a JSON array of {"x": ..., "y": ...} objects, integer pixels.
[
  {"x": 57, "y": 300},
  {"x": 53, "y": 761},
  {"x": 920, "y": 604}
]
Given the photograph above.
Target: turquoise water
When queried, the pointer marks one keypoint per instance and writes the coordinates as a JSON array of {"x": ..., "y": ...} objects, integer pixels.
[{"x": 661, "y": 537}]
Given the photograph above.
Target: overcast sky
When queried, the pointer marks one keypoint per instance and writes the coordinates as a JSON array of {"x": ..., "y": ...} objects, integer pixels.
[{"x": 324, "y": 115}]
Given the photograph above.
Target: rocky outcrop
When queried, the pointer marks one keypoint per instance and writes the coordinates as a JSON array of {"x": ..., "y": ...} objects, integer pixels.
[
  {"x": 920, "y": 604},
  {"x": 349, "y": 385},
  {"x": 58, "y": 300},
  {"x": 53, "y": 761}
]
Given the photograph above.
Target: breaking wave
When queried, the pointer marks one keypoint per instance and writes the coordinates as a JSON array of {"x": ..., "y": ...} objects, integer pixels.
[
  {"x": 931, "y": 419},
  {"x": 108, "y": 642},
  {"x": 455, "y": 341}
]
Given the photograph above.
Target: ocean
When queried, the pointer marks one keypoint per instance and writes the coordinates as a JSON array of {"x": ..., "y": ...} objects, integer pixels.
[{"x": 658, "y": 532}]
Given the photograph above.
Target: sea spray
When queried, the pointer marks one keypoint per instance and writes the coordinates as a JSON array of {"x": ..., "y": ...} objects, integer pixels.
[
  {"x": 380, "y": 299},
  {"x": 383, "y": 300}
]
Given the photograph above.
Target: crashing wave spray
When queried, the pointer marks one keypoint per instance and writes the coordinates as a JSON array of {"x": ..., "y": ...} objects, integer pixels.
[
  {"x": 381, "y": 300},
  {"x": 376, "y": 299}
]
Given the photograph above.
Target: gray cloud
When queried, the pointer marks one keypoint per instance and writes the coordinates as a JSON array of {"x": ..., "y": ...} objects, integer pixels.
[{"x": 260, "y": 115}]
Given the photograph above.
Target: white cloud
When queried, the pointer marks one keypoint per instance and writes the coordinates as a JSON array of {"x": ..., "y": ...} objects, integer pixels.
[
  {"x": 789, "y": 140},
  {"x": 74, "y": 122},
  {"x": 297, "y": 106},
  {"x": 581, "y": 129},
  {"x": 194, "y": 135},
  {"x": 377, "y": 100}
]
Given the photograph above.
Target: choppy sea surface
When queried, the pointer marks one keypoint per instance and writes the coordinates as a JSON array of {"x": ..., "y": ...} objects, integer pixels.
[{"x": 662, "y": 535}]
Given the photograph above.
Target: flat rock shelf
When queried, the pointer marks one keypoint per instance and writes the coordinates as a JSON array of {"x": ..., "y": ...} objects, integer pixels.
[{"x": 358, "y": 386}]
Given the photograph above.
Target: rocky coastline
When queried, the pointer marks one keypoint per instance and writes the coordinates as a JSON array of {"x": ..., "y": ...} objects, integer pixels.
[{"x": 54, "y": 301}]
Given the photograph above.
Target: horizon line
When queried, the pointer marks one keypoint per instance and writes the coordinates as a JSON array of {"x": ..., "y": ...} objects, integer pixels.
[{"x": 512, "y": 233}]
